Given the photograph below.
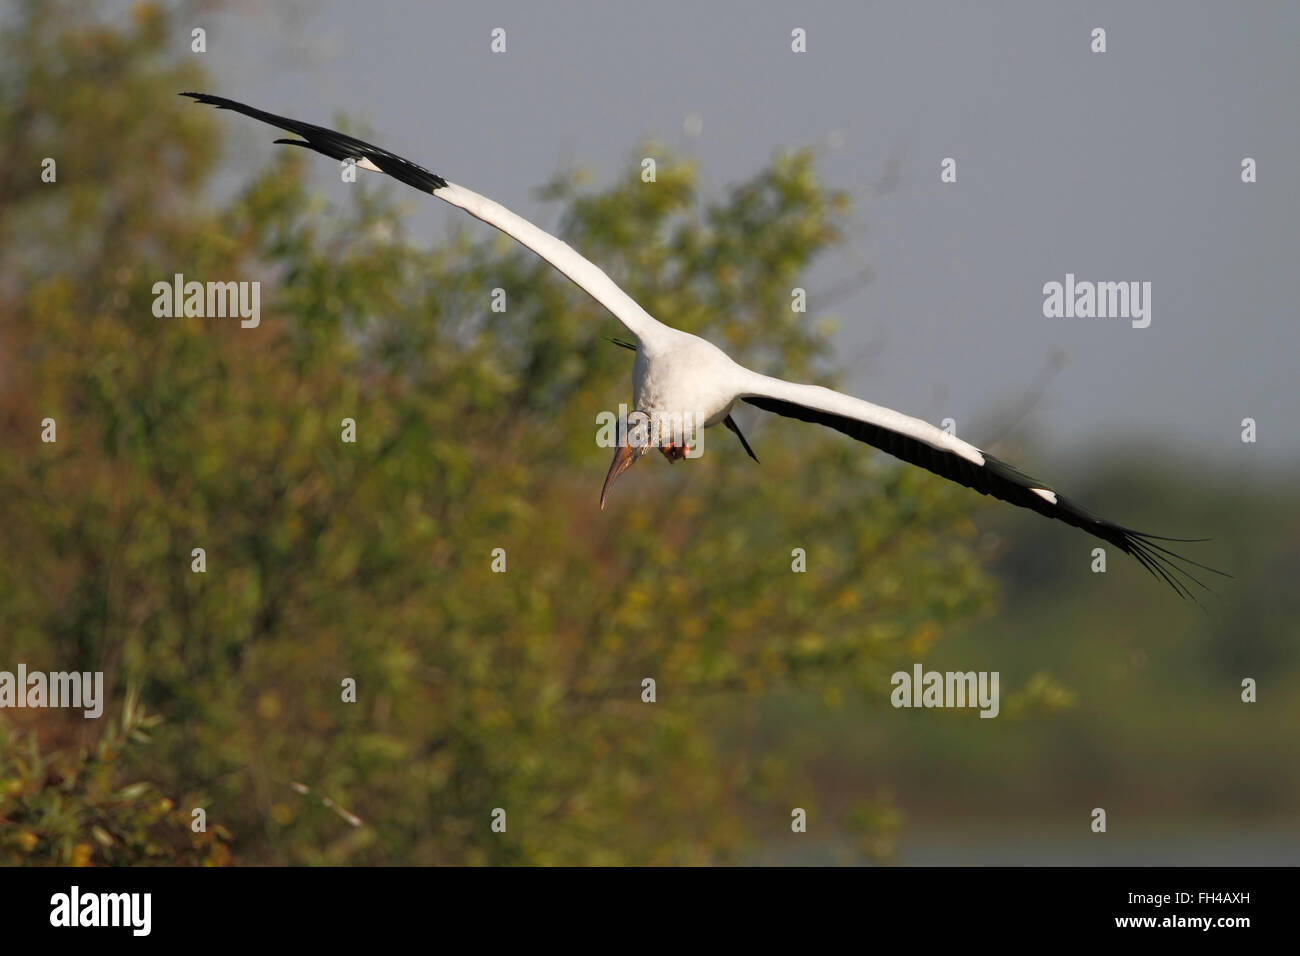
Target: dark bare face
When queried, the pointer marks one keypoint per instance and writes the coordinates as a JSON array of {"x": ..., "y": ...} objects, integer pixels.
[{"x": 625, "y": 456}]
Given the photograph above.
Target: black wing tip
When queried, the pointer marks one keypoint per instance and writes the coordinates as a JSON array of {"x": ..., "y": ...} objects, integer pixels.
[
  {"x": 1158, "y": 563},
  {"x": 209, "y": 98},
  {"x": 1008, "y": 483},
  {"x": 1161, "y": 562},
  {"x": 1148, "y": 539},
  {"x": 332, "y": 143}
]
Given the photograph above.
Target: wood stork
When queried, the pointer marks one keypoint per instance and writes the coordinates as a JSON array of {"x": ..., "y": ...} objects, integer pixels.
[{"x": 682, "y": 382}]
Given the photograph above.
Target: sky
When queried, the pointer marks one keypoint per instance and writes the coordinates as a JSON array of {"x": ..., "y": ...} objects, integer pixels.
[{"x": 1115, "y": 166}]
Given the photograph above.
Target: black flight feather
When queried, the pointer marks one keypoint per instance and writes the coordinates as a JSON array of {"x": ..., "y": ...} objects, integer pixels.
[
  {"x": 333, "y": 144},
  {"x": 1007, "y": 483}
]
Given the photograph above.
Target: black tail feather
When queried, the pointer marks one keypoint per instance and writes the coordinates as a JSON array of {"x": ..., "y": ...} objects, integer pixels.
[{"x": 731, "y": 423}]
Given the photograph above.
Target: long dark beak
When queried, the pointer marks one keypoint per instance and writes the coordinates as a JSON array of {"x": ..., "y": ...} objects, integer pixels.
[{"x": 622, "y": 462}]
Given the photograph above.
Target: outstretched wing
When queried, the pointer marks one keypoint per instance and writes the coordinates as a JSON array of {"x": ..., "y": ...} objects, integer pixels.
[
  {"x": 585, "y": 274},
  {"x": 920, "y": 443}
]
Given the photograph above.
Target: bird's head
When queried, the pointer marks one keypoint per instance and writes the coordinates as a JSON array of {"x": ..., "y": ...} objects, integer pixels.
[
  {"x": 625, "y": 456},
  {"x": 636, "y": 441}
]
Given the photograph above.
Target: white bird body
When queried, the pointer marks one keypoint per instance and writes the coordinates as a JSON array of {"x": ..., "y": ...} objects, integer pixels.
[
  {"x": 690, "y": 379},
  {"x": 682, "y": 383},
  {"x": 687, "y": 379}
]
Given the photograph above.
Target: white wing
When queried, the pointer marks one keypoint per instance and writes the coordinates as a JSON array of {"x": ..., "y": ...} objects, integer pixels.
[
  {"x": 920, "y": 443},
  {"x": 585, "y": 274},
  {"x": 815, "y": 398}
]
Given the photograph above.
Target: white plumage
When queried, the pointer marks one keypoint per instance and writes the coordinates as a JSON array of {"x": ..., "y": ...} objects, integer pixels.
[{"x": 682, "y": 382}]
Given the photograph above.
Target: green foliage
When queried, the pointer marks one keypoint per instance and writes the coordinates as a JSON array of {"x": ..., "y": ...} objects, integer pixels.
[
  {"x": 69, "y": 807},
  {"x": 372, "y": 560}
]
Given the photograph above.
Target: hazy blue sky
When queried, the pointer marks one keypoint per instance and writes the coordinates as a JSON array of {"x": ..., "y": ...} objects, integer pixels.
[{"x": 1116, "y": 166}]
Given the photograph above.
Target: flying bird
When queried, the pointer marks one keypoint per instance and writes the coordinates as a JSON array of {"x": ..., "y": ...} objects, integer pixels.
[{"x": 682, "y": 383}]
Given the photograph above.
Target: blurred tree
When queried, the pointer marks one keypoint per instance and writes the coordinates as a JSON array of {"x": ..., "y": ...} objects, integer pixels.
[
  {"x": 69, "y": 807},
  {"x": 373, "y": 561}
]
